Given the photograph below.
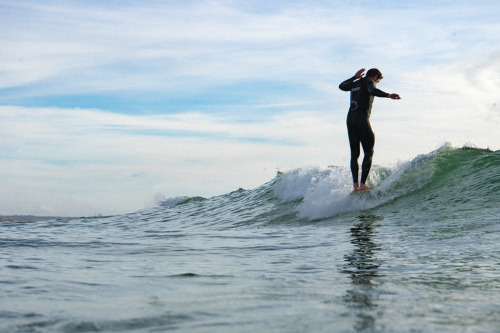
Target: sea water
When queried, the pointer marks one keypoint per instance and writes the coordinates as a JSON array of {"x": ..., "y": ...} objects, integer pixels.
[{"x": 420, "y": 253}]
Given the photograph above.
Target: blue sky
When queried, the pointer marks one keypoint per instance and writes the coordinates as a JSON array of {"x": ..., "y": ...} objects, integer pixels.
[{"x": 105, "y": 106}]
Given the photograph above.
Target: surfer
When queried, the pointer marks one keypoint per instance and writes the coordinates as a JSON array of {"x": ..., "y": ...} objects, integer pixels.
[{"x": 363, "y": 90}]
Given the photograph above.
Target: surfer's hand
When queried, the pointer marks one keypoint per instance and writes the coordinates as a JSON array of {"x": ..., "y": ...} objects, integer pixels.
[
  {"x": 394, "y": 96},
  {"x": 359, "y": 73}
]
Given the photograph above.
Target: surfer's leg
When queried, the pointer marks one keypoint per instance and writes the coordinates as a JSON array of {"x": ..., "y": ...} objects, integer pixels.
[
  {"x": 367, "y": 141},
  {"x": 354, "y": 144}
]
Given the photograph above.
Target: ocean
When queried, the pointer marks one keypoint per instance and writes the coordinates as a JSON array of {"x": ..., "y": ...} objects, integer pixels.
[{"x": 300, "y": 253}]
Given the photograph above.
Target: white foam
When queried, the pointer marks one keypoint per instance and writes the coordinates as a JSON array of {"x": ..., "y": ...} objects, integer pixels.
[
  {"x": 326, "y": 192},
  {"x": 295, "y": 184}
]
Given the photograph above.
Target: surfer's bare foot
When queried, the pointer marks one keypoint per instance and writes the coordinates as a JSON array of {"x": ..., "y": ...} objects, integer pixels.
[{"x": 364, "y": 187}]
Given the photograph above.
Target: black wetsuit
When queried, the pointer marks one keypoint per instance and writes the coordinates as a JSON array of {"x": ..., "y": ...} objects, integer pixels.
[{"x": 359, "y": 128}]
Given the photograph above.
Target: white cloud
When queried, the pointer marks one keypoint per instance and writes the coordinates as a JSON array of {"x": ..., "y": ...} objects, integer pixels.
[{"x": 168, "y": 46}]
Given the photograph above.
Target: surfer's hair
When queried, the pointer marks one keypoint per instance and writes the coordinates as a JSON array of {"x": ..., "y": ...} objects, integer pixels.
[{"x": 374, "y": 73}]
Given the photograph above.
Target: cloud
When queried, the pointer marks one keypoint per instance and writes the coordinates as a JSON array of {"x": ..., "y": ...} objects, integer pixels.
[{"x": 71, "y": 47}]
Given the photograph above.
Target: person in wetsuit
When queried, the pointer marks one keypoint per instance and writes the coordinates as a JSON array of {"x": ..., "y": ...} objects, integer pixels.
[{"x": 363, "y": 90}]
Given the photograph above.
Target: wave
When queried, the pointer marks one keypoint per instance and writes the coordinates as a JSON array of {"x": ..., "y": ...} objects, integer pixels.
[
  {"x": 457, "y": 174},
  {"x": 326, "y": 192}
]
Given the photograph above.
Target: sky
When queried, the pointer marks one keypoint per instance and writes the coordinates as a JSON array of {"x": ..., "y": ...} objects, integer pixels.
[{"x": 107, "y": 107}]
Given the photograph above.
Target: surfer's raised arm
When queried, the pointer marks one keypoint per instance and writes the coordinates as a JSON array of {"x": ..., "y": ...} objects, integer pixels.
[
  {"x": 360, "y": 73},
  {"x": 347, "y": 84}
]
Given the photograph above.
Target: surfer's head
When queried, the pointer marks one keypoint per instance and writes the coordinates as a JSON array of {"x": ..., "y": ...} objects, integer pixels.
[{"x": 374, "y": 74}]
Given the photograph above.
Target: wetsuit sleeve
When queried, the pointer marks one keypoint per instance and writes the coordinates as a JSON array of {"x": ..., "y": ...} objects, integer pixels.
[
  {"x": 347, "y": 84},
  {"x": 372, "y": 90}
]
